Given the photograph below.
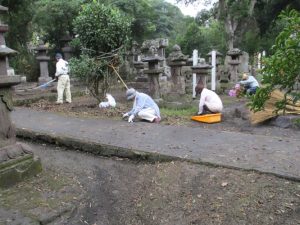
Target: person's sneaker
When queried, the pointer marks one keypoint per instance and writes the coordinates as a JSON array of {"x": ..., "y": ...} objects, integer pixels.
[
  {"x": 58, "y": 103},
  {"x": 156, "y": 120}
]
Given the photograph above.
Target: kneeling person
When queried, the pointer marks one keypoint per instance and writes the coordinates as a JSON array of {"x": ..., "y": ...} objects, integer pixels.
[
  {"x": 144, "y": 107},
  {"x": 210, "y": 102},
  {"x": 250, "y": 84}
]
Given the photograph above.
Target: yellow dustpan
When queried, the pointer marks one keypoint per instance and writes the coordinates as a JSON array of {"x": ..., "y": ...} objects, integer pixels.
[{"x": 208, "y": 118}]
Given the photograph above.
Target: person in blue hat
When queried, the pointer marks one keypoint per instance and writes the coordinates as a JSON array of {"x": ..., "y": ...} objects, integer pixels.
[
  {"x": 63, "y": 84},
  {"x": 143, "y": 106}
]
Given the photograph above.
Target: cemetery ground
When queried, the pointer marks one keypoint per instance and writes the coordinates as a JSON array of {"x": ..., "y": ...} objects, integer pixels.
[{"x": 81, "y": 188}]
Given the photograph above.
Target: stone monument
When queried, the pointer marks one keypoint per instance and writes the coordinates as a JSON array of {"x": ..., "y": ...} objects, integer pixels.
[
  {"x": 233, "y": 63},
  {"x": 176, "y": 61},
  {"x": 42, "y": 57},
  {"x": 16, "y": 160},
  {"x": 202, "y": 71},
  {"x": 153, "y": 71},
  {"x": 67, "y": 49}
]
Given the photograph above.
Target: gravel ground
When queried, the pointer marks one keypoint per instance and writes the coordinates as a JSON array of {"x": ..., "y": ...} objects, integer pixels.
[{"x": 102, "y": 191}]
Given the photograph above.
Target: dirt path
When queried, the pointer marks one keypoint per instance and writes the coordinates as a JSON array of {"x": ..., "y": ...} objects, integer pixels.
[{"x": 121, "y": 192}]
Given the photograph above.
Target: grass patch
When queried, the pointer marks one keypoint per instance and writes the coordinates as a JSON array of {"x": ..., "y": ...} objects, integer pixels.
[{"x": 179, "y": 112}]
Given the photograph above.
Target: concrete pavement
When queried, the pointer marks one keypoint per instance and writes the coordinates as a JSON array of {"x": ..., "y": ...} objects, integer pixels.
[{"x": 274, "y": 155}]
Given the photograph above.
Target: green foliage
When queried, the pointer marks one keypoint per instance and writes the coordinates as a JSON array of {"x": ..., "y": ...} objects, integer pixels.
[
  {"x": 19, "y": 19},
  {"x": 282, "y": 69},
  {"x": 25, "y": 63},
  {"x": 204, "y": 38},
  {"x": 101, "y": 28},
  {"x": 103, "y": 32},
  {"x": 53, "y": 19},
  {"x": 90, "y": 71}
]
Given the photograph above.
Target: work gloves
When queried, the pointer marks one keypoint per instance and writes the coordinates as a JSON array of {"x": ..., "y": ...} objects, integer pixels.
[{"x": 130, "y": 119}]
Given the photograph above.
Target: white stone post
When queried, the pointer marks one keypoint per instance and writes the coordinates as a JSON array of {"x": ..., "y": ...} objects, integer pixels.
[
  {"x": 263, "y": 56},
  {"x": 195, "y": 62},
  {"x": 213, "y": 69},
  {"x": 259, "y": 61}
]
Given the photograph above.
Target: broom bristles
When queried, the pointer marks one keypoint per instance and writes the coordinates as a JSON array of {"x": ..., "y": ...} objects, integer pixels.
[{"x": 269, "y": 109}]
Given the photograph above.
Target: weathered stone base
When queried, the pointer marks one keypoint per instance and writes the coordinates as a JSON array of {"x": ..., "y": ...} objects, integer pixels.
[
  {"x": 43, "y": 80},
  {"x": 17, "y": 162}
]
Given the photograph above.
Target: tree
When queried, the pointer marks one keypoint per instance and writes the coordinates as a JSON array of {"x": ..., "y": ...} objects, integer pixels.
[
  {"x": 53, "y": 19},
  {"x": 102, "y": 31},
  {"x": 282, "y": 69}
]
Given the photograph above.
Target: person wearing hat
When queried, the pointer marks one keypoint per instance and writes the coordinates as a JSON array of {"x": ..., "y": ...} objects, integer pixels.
[
  {"x": 143, "y": 106},
  {"x": 63, "y": 84},
  {"x": 209, "y": 102},
  {"x": 250, "y": 84}
]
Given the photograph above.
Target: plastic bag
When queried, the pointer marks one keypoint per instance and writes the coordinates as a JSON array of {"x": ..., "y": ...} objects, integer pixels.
[{"x": 110, "y": 103}]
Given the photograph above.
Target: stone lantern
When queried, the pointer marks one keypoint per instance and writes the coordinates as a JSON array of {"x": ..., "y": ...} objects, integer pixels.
[
  {"x": 218, "y": 56},
  {"x": 153, "y": 72},
  {"x": 176, "y": 61},
  {"x": 67, "y": 49},
  {"x": 42, "y": 57},
  {"x": 202, "y": 71},
  {"x": 233, "y": 63},
  {"x": 16, "y": 160}
]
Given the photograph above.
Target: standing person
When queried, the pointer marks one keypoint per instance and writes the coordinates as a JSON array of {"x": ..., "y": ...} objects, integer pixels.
[
  {"x": 250, "y": 84},
  {"x": 209, "y": 102},
  {"x": 62, "y": 74},
  {"x": 144, "y": 107}
]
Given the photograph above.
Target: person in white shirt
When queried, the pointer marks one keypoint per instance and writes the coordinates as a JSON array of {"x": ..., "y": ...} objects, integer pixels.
[
  {"x": 62, "y": 74},
  {"x": 209, "y": 102},
  {"x": 250, "y": 84}
]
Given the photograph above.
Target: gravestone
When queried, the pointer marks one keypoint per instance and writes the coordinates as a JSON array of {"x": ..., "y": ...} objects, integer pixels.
[{"x": 16, "y": 160}]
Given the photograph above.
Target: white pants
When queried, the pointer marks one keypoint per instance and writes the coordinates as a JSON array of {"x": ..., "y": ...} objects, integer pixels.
[
  {"x": 147, "y": 114},
  {"x": 63, "y": 85},
  {"x": 214, "y": 107}
]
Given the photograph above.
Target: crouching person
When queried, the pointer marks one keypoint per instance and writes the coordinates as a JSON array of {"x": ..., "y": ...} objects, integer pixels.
[
  {"x": 210, "y": 102},
  {"x": 250, "y": 84},
  {"x": 143, "y": 106}
]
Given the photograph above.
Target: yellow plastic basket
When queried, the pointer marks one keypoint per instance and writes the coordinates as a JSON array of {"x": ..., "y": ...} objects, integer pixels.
[{"x": 208, "y": 118}]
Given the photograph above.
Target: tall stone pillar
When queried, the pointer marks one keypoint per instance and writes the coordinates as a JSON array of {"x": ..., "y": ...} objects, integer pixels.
[
  {"x": 42, "y": 57},
  {"x": 16, "y": 160}
]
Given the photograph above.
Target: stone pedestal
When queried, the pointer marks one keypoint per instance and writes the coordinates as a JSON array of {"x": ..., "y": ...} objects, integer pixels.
[
  {"x": 141, "y": 82},
  {"x": 153, "y": 73},
  {"x": 16, "y": 160},
  {"x": 202, "y": 70},
  {"x": 43, "y": 59}
]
